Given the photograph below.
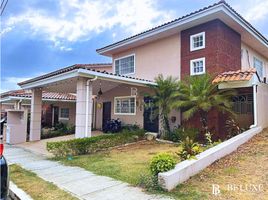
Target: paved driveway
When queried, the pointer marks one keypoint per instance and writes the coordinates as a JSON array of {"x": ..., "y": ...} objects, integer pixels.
[
  {"x": 39, "y": 147},
  {"x": 77, "y": 181}
]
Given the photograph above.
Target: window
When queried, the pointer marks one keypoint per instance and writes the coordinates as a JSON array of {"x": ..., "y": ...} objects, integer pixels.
[
  {"x": 125, "y": 65},
  {"x": 197, "y": 41},
  {"x": 125, "y": 105},
  {"x": 243, "y": 104},
  {"x": 197, "y": 66},
  {"x": 258, "y": 64},
  {"x": 64, "y": 113}
]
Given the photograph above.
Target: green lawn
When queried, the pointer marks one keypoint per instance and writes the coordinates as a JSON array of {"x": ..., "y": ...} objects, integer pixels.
[
  {"x": 36, "y": 187},
  {"x": 127, "y": 163},
  {"x": 247, "y": 165}
]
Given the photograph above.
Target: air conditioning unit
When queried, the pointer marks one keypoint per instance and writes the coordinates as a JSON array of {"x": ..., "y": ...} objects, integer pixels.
[{"x": 134, "y": 91}]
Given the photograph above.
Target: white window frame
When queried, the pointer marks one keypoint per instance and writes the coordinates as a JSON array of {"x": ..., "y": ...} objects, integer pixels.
[
  {"x": 256, "y": 58},
  {"x": 119, "y": 65},
  {"x": 192, "y": 66},
  {"x": 192, "y": 48},
  {"x": 64, "y": 118},
  {"x": 124, "y": 97}
]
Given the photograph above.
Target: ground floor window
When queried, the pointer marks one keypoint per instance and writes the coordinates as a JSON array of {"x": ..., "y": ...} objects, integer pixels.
[
  {"x": 64, "y": 113},
  {"x": 125, "y": 105},
  {"x": 243, "y": 104}
]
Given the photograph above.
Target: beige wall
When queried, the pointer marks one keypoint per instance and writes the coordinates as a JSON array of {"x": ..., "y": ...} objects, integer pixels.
[
  {"x": 124, "y": 90},
  {"x": 71, "y": 106},
  {"x": 159, "y": 57},
  {"x": 247, "y": 58},
  {"x": 262, "y": 105}
]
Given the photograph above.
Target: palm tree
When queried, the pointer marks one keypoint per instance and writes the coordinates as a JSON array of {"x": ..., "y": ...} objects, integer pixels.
[
  {"x": 199, "y": 95},
  {"x": 165, "y": 96}
]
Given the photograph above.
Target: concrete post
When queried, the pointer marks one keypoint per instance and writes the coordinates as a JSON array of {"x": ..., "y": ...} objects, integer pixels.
[
  {"x": 80, "y": 120},
  {"x": 36, "y": 111}
]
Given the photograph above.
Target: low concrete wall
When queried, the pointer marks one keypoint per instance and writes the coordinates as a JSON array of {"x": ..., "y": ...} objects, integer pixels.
[
  {"x": 184, "y": 170},
  {"x": 16, "y": 193}
]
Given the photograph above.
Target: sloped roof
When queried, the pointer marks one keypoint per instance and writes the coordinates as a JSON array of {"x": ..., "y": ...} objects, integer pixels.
[
  {"x": 45, "y": 95},
  {"x": 79, "y": 66},
  {"x": 221, "y": 2},
  {"x": 239, "y": 75}
]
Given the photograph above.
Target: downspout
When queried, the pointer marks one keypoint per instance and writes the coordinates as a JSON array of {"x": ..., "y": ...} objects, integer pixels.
[
  {"x": 19, "y": 104},
  {"x": 254, "y": 106},
  {"x": 87, "y": 102}
]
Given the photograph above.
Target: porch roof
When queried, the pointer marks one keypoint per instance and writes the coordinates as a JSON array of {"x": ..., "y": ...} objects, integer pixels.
[
  {"x": 239, "y": 75},
  {"x": 27, "y": 95},
  {"x": 80, "y": 70}
]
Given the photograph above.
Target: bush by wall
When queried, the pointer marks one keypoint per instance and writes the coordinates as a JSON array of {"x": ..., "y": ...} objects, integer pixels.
[
  {"x": 82, "y": 146},
  {"x": 162, "y": 162}
]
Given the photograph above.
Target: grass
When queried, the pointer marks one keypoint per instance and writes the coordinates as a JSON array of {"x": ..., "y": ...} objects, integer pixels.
[
  {"x": 247, "y": 165},
  {"x": 126, "y": 164},
  {"x": 36, "y": 187}
]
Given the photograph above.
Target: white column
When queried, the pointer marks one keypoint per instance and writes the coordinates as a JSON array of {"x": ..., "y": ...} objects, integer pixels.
[
  {"x": 36, "y": 111},
  {"x": 80, "y": 120}
]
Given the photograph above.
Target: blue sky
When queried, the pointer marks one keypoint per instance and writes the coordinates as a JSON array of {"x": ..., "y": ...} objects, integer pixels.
[{"x": 39, "y": 36}]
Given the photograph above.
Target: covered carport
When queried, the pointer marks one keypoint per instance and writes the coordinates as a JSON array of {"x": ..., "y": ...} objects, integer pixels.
[{"x": 85, "y": 83}]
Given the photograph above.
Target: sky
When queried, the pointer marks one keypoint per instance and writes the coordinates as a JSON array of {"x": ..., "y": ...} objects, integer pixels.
[{"x": 40, "y": 36}]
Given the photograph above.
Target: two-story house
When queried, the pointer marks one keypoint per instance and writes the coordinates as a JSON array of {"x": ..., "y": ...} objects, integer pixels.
[{"x": 215, "y": 40}]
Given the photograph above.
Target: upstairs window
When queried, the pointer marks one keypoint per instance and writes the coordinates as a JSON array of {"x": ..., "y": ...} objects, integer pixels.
[
  {"x": 125, "y": 65},
  {"x": 258, "y": 64},
  {"x": 125, "y": 106},
  {"x": 197, "y": 66},
  {"x": 197, "y": 41}
]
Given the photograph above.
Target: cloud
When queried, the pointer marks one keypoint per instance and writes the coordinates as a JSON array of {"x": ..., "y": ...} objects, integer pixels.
[
  {"x": 79, "y": 20},
  {"x": 254, "y": 11},
  {"x": 10, "y": 83}
]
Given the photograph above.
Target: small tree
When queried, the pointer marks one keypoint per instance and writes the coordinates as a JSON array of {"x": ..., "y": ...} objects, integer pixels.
[
  {"x": 199, "y": 95},
  {"x": 165, "y": 96}
]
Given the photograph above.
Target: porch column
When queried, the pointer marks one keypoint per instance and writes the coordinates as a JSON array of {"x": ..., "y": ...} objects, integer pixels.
[
  {"x": 36, "y": 110},
  {"x": 81, "y": 105}
]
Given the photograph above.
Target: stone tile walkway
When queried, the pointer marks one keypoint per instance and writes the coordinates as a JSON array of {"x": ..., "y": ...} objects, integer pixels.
[{"x": 77, "y": 181}]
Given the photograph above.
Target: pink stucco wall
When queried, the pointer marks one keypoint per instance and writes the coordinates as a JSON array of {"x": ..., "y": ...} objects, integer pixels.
[{"x": 159, "y": 57}]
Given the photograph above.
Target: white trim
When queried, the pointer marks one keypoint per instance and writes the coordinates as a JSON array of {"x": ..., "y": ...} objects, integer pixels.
[
  {"x": 85, "y": 73},
  {"x": 125, "y": 97},
  {"x": 203, "y": 34},
  {"x": 10, "y": 98},
  {"x": 215, "y": 9},
  {"x": 119, "y": 58},
  {"x": 196, "y": 60}
]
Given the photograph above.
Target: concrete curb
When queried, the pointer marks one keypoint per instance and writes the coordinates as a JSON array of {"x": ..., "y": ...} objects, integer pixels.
[
  {"x": 16, "y": 193},
  {"x": 185, "y": 169}
]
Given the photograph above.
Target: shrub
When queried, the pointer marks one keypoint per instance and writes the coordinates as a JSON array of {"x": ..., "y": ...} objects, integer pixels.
[
  {"x": 189, "y": 149},
  {"x": 61, "y": 129},
  {"x": 149, "y": 182},
  {"x": 232, "y": 128},
  {"x": 82, "y": 146},
  {"x": 180, "y": 134},
  {"x": 162, "y": 162}
]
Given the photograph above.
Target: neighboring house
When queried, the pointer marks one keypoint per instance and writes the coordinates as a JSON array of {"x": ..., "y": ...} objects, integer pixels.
[
  {"x": 215, "y": 40},
  {"x": 56, "y": 107}
]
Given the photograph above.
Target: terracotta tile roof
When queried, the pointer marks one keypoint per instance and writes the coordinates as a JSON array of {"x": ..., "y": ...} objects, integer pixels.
[
  {"x": 182, "y": 18},
  {"x": 79, "y": 66},
  {"x": 45, "y": 95},
  {"x": 239, "y": 75}
]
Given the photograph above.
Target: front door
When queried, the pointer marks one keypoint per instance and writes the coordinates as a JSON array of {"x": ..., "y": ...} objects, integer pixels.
[
  {"x": 106, "y": 112},
  {"x": 150, "y": 118}
]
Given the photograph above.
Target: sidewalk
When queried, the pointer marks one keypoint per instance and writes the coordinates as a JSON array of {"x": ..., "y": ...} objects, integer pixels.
[{"x": 77, "y": 181}]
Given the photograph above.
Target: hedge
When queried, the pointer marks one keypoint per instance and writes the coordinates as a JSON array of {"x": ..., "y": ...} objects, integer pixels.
[{"x": 82, "y": 146}]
